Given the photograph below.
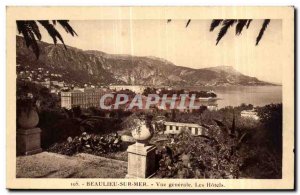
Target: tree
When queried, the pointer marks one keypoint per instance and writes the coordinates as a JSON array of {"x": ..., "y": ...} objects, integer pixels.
[
  {"x": 226, "y": 24},
  {"x": 240, "y": 24},
  {"x": 31, "y": 32},
  {"x": 271, "y": 118}
]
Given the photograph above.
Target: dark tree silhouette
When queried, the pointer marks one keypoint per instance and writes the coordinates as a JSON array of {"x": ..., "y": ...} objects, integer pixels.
[
  {"x": 31, "y": 32},
  {"x": 226, "y": 24},
  {"x": 214, "y": 24},
  {"x": 188, "y": 22},
  {"x": 239, "y": 27},
  {"x": 240, "y": 24},
  {"x": 262, "y": 30}
]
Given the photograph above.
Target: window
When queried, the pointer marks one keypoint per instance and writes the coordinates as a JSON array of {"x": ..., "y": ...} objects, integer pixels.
[
  {"x": 196, "y": 131},
  {"x": 177, "y": 128},
  {"x": 171, "y": 127}
]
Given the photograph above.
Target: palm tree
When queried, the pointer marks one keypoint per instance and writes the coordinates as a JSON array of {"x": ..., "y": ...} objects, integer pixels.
[
  {"x": 31, "y": 32},
  {"x": 226, "y": 24},
  {"x": 240, "y": 24}
]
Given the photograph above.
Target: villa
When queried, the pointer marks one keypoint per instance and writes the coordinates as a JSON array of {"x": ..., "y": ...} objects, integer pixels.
[
  {"x": 250, "y": 114},
  {"x": 177, "y": 128}
]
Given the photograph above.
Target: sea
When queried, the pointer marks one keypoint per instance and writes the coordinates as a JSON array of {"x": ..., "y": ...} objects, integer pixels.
[{"x": 237, "y": 95}]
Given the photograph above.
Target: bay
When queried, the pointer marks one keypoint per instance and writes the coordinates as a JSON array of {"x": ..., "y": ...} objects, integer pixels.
[{"x": 236, "y": 95}]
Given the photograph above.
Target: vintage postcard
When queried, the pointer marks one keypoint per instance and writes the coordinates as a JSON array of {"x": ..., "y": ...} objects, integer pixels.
[{"x": 142, "y": 98}]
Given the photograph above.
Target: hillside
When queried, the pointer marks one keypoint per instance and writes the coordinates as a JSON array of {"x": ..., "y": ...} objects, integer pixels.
[{"x": 96, "y": 67}]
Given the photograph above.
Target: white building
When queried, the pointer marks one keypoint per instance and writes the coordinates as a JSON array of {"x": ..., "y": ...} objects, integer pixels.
[
  {"x": 84, "y": 99},
  {"x": 54, "y": 83},
  {"x": 212, "y": 107},
  {"x": 177, "y": 128},
  {"x": 135, "y": 88},
  {"x": 250, "y": 114},
  {"x": 61, "y": 84},
  {"x": 56, "y": 91}
]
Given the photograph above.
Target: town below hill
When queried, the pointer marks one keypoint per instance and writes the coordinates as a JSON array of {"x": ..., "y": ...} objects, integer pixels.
[{"x": 78, "y": 68}]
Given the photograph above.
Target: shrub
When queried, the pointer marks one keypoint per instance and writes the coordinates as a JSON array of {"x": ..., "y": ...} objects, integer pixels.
[{"x": 89, "y": 143}]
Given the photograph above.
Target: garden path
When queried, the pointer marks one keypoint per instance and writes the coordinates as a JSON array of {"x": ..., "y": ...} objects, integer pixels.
[{"x": 51, "y": 165}]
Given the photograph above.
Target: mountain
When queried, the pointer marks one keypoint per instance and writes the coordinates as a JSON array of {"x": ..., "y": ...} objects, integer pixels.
[{"x": 96, "y": 67}]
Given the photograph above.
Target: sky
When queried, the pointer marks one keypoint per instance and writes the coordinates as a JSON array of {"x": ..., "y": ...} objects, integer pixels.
[{"x": 193, "y": 46}]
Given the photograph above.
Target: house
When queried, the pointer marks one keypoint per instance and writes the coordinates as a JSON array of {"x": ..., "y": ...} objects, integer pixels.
[
  {"x": 55, "y": 91},
  {"x": 61, "y": 84},
  {"x": 54, "y": 83},
  {"x": 250, "y": 114},
  {"x": 212, "y": 107},
  {"x": 177, "y": 128}
]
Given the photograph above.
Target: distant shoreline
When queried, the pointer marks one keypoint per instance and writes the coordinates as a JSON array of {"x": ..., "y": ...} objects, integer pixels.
[{"x": 177, "y": 86}]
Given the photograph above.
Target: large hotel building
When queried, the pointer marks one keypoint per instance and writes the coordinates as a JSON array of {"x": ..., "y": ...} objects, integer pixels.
[{"x": 84, "y": 98}]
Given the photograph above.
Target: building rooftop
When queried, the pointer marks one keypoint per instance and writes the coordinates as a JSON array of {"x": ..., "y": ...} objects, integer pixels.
[
  {"x": 249, "y": 112},
  {"x": 182, "y": 124}
]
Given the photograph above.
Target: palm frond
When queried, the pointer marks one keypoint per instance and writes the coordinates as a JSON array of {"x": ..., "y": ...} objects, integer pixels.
[
  {"x": 262, "y": 30},
  {"x": 240, "y": 25},
  {"x": 29, "y": 30},
  {"x": 214, "y": 24},
  {"x": 65, "y": 24},
  {"x": 248, "y": 23},
  {"x": 188, "y": 22},
  {"x": 31, "y": 33},
  {"x": 34, "y": 44},
  {"x": 52, "y": 31},
  {"x": 226, "y": 25},
  {"x": 35, "y": 29}
]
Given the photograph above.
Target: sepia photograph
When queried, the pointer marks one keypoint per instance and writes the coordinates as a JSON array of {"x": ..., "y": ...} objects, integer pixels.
[{"x": 123, "y": 100}]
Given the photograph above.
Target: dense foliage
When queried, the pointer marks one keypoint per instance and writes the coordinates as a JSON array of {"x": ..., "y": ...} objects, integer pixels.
[
  {"x": 235, "y": 147},
  {"x": 88, "y": 143},
  {"x": 39, "y": 93},
  {"x": 186, "y": 156}
]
